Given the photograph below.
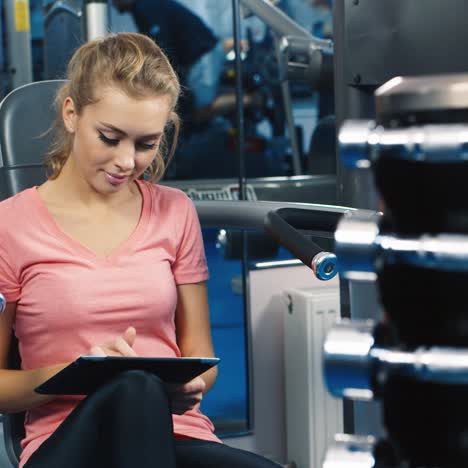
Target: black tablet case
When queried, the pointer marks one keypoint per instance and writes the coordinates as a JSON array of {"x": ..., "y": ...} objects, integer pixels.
[{"x": 87, "y": 373}]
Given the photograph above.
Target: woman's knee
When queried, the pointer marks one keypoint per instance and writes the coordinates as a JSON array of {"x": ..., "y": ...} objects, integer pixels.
[{"x": 137, "y": 385}]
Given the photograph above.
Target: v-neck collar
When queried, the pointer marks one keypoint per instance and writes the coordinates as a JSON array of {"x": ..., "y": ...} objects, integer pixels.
[{"x": 81, "y": 249}]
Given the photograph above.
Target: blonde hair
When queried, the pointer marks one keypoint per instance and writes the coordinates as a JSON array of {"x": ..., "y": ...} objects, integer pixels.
[{"x": 133, "y": 63}]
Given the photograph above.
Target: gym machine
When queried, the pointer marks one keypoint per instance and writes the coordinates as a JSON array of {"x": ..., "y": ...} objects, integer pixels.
[
  {"x": 373, "y": 43},
  {"x": 93, "y": 15},
  {"x": 67, "y": 23},
  {"x": 414, "y": 362},
  {"x": 284, "y": 222},
  {"x": 416, "y": 359},
  {"x": 62, "y": 35},
  {"x": 301, "y": 57}
]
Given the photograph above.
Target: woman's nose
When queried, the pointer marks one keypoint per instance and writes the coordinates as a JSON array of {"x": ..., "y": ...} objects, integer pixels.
[{"x": 125, "y": 159}]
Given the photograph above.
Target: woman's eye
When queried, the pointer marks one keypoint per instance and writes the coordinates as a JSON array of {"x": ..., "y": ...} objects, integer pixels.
[
  {"x": 146, "y": 146},
  {"x": 108, "y": 141}
]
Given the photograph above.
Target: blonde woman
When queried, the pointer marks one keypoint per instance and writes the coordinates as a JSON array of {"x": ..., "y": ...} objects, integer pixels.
[{"x": 97, "y": 261}]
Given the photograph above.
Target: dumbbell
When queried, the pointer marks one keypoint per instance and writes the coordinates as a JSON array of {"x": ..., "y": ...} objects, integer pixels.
[
  {"x": 362, "y": 249},
  {"x": 356, "y": 366}
]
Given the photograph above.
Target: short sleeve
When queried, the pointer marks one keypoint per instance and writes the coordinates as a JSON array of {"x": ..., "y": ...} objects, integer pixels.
[
  {"x": 190, "y": 263},
  {"x": 9, "y": 283}
]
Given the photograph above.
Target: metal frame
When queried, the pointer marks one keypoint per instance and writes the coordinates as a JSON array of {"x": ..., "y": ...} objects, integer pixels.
[{"x": 18, "y": 35}]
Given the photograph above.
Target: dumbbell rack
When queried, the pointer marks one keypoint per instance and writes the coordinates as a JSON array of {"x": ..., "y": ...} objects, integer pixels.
[{"x": 416, "y": 359}]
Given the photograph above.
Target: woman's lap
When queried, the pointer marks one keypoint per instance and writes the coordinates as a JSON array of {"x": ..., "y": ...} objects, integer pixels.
[{"x": 116, "y": 426}]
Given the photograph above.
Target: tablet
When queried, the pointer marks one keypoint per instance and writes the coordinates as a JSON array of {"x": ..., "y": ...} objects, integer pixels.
[{"x": 87, "y": 373}]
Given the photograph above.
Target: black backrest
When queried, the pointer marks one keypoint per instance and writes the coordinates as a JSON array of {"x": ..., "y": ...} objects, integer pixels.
[{"x": 26, "y": 115}]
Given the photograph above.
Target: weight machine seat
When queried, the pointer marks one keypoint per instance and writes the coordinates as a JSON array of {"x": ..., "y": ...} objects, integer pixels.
[{"x": 26, "y": 115}]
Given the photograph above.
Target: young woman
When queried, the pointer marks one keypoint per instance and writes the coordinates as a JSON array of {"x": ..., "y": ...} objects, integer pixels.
[{"x": 96, "y": 261}]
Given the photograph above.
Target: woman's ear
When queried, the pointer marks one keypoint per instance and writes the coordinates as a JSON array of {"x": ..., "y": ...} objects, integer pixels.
[{"x": 69, "y": 115}]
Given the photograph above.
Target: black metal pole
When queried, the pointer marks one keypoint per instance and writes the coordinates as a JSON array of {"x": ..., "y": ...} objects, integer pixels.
[
  {"x": 239, "y": 99},
  {"x": 236, "y": 15}
]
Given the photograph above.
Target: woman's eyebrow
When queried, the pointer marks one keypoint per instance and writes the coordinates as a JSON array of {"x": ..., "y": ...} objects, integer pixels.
[{"x": 118, "y": 130}]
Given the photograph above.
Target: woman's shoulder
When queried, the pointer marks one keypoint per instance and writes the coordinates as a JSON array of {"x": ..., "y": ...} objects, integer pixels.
[
  {"x": 16, "y": 203},
  {"x": 166, "y": 196},
  {"x": 15, "y": 213}
]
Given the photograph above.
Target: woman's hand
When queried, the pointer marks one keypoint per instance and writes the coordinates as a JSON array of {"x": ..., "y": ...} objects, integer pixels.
[
  {"x": 185, "y": 397},
  {"x": 119, "y": 346}
]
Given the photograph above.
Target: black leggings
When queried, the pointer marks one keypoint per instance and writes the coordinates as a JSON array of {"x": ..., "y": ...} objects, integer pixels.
[{"x": 127, "y": 424}]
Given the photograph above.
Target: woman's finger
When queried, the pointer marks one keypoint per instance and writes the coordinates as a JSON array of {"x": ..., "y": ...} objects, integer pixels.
[
  {"x": 196, "y": 385},
  {"x": 97, "y": 351},
  {"x": 130, "y": 335},
  {"x": 123, "y": 347}
]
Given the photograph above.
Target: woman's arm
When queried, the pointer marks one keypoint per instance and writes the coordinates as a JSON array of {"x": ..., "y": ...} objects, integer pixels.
[
  {"x": 193, "y": 326},
  {"x": 17, "y": 386}
]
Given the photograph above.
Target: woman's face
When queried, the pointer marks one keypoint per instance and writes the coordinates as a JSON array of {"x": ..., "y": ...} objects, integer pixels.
[{"x": 116, "y": 138}]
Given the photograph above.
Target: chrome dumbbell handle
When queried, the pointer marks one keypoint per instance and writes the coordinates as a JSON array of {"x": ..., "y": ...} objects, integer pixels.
[
  {"x": 444, "y": 251},
  {"x": 362, "y": 142},
  {"x": 347, "y": 360},
  {"x": 354, "y": 365},
  {"x": 360, "y": 248},
  {"x": 437, "y": 364},
  {"x": 356, "y": 245}
]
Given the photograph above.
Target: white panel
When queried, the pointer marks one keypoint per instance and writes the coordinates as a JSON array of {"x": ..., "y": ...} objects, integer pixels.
[
  {"x": 313, "y": 416},
  {"x": 266, "y": 310}
]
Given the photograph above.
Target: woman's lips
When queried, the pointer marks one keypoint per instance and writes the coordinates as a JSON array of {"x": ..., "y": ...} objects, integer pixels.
[{"x": 116, "y": 179}]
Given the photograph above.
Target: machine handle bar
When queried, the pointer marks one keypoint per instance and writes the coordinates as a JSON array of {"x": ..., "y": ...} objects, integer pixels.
[{"x": 283, "y": 224}]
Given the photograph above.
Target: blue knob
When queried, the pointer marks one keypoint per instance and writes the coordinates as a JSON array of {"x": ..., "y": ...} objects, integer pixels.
[{"x": 324, "y": 266}]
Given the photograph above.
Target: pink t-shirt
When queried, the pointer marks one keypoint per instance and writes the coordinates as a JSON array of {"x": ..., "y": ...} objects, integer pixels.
[{"x": 69, "y": 299}]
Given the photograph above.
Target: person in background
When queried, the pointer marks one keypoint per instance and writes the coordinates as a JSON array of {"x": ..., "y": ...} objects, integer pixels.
[
  {"x": 183, "y": 36},
  {"x": 101, "y": 260},
  {"x": 200, "y": 75},
  {"x": 205, "y": 107}
]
